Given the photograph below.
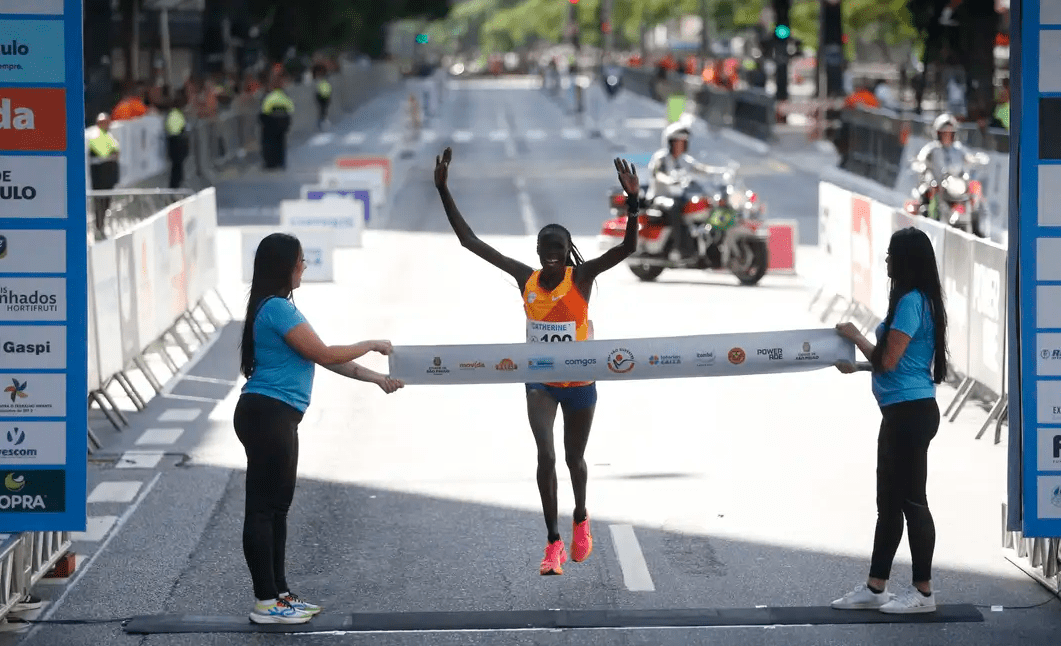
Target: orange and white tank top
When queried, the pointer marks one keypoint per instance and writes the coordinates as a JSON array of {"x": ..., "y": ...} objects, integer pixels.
[{"x": 556, "y": 316}]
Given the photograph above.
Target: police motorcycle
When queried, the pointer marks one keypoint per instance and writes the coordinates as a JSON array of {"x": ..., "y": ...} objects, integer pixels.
[
  {"x": 954, "y": 198},
  {"x": 725, "y": 220}
]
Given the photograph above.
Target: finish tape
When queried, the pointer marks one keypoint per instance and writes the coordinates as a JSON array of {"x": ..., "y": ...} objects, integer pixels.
[{"x": 711, "y": 355}]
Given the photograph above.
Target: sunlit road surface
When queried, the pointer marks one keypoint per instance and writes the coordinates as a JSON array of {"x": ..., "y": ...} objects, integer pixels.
[{"x": 704, "y": 493}]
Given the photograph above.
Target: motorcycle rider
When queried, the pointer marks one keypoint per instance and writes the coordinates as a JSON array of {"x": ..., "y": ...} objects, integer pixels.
[
  {"x": 668, "y": 180},
  {"x": 944, "y": 156}
]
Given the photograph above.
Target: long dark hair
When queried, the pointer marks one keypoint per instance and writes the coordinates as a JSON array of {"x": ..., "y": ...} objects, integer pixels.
[
  {"x": 913, "y": 266},
  {"x": 274, "y": 264},
  {"x": 574, "y": 256}
]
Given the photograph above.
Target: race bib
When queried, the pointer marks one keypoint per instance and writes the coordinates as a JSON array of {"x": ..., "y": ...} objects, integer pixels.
[{"x": 550, "y": 331}]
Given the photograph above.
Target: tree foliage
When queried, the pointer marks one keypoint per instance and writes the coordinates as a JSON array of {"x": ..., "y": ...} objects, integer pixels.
[{"x": 308, "y": 25}]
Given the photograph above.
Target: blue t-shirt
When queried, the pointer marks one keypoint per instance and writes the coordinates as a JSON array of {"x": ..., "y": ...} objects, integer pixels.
[
  {"x": 279, "y": 371},
  {"x": 912, "y": 377}
]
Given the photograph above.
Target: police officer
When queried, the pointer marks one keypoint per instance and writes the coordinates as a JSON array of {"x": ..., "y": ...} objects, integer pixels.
[
  {"x": 103, "y": 166},
  {"x": 176, "y": 139},
  {"x": 277, "y": 110},
  {"x": 324, "y": 95}
]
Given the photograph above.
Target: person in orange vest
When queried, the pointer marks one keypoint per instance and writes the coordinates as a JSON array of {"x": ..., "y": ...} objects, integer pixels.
[
  {"x": 863, "y": 96},
  {"x": 131, "y": 105}
]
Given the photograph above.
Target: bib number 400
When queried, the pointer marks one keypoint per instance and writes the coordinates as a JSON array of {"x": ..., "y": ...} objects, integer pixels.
[{"x": 551, "y": 338}]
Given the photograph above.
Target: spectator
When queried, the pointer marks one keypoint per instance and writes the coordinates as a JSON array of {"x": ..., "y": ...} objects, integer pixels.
[
  {"x": 885, "y": 97},
  {"x": 1000, "y": 119},
  {"x": 131, "y": 105},
  {"x": 862, "y": 97},
  {"x": 176, "y": 139},
  {"x": 277, "y": 110},
  {"x": 103, "y": 169}
]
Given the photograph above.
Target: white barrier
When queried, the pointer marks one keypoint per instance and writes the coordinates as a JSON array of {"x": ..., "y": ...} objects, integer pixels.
[
  {"x": 147, "y": 279},
  {"x": 318, "y": 246},
  {"x": 621, "y": 359},
  {"x": 371, "y": 178},
  {"x": 344, "y": 216},
  {"x": 972, "y": 273},
  {"x": 313, "y": 192}
]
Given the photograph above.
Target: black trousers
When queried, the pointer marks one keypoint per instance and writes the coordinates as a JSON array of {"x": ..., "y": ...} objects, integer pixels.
[
  {"x": 274, "y": 139},
  {"x": 177, "y": 151},
  {"x": 322, "y": 108},
  {"x": 268, "y": 430},
  {"x": 902, "y": 472},
  {"x": 104, "y": 177}
]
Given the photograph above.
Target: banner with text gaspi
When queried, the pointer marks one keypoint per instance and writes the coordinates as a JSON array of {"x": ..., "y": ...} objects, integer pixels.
[
  {"x": 43, "y": 268},
  {"x": 712, "y": 355}
]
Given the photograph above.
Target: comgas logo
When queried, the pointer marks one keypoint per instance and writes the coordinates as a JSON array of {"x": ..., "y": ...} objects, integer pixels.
[
  {"x": 736, "y": 356},
  {"x": 506, "y": 364}
]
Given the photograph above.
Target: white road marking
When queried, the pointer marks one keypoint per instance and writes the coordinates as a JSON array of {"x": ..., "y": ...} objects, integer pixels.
[
  {"x": 429, "y": 136},
  {"x": 646, "y": 122},
  {"x": 121, "y": 491},
  {"x": 642, "y": 134},
  {"x": 526, "y": 210},
  {"x": 210, "y": 380},
  {"x": 160, "y": 436},
  {"x": 499, "y": 135},
  {"x": 571, "y": 133},
  {"x": 535, "y": 135},
  {"x": 354, "y": 139},
  {"x": 390, "y": 137},
  {"x": 180, "y": 415},
  {"x": 322, "y": 139},
  {"x": 631, "y": 560},
  {"x": 462, "y": 136},
  {"x": 96, "y": 528},
  {"x": 139, "y": 460}
]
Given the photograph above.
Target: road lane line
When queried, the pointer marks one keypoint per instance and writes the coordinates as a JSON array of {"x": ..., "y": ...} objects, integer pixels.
[{"x": 631, "y": 560}]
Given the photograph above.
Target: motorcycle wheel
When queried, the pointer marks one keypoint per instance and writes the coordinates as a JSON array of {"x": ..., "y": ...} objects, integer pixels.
[
  {"x": 751, "y": 267},
  {"x": 646, "y": 273}
]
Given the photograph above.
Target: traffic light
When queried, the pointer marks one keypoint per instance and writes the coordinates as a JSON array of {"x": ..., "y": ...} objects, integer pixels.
[
  {"x": 782, "y": 32},
  {"x": 421, "y": 38}
]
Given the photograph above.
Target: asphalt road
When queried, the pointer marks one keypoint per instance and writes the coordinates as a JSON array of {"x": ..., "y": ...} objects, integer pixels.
[{"x": 737, "y": 493}]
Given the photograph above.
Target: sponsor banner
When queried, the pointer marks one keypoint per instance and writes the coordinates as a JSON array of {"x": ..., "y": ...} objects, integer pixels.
[
  {"x": 382, "y": 164},
  {"x": 109, "y": 308},
  {"x": 649, "y": 358},
  {"x": 32, "y": 51},
  {"x": 987, "y": 316},
  {"x": 936, "y": 233},
  {"x": 372, "y": 181},
  {"x": 33, "y": 187},
  {"x": 881, "y": 221},
  {"x": 147, "y": 283},
  {"x": 957, "y": 279},
  {"x": 834, "y": 237},
  {"x": 320, "y": 192},
  {"x": 32, "y": 299},
  {"x": 33, "y": 119},
  {"x": 128, "y": 279},
  {"x": 32, "y": 7},
  {"x": 33, "y": 490},
  {"x": 32, "y": 443},
  {"x": 1049, "y": 448},
  {"x": 32, "y": 395},
  {"x": 862, "y": 269},
  {"x": 343, "y": 215},
  {"x": 171, "y": 296},
  {"x": 33, "y": 347},
  {"x": 32, "y": 251},
  {"x": 1049, "y": 498}
]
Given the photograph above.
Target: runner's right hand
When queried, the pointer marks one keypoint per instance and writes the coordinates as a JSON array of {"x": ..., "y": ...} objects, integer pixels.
[{"x": 442, "y": 167}]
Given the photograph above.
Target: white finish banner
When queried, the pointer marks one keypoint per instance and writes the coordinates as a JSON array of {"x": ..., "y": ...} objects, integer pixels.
[{"x": 713, "y": 355}]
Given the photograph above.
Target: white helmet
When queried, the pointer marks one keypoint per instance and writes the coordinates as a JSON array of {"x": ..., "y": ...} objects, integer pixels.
[
  {"x": 675, "y": 131},
  {"x": 945, "y": 120}
]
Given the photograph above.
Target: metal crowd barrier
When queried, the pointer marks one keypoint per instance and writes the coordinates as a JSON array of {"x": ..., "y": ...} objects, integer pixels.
[
  {"x": 130, "y": 206},
  {"x": 754, "y": 113},
  {"x": 24, "y": 560}
]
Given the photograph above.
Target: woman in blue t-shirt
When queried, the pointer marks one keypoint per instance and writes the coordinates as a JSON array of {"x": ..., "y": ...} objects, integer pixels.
[
  {"x": 277, "y": 355},
  {"x": 910, "y": 358}
]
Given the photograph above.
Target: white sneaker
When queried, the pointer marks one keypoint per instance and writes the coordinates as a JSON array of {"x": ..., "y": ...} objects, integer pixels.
[
  {"x": 911, "y": 602},
  {"x": 278, "y": 611},
  {"x": 861, "y": 598}
]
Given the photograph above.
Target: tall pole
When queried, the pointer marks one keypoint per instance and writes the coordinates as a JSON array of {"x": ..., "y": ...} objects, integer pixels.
[
  {"x": 167, "y": 54},
  {"x": 781, "y": 8},
  {"x": 704, "y": 42}
]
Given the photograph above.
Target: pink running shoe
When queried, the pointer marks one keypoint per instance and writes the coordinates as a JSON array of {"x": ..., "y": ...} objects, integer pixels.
[
  {"x": 581, "y": 541},
  {"x": 555, "y": 557}
]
